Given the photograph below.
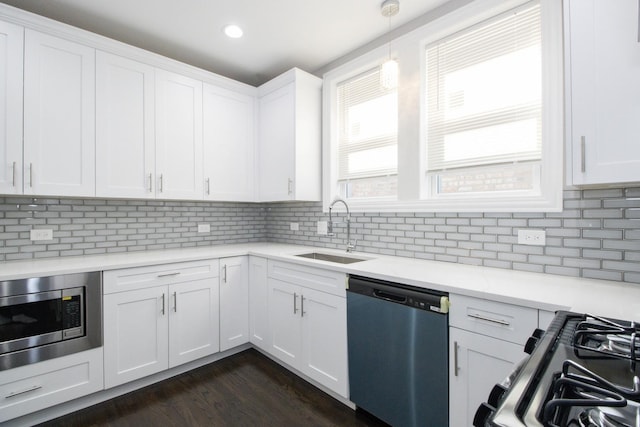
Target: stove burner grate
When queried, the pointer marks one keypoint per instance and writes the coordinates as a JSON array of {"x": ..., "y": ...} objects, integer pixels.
[
  {"x": 585, "y": 389},
  {"x": 597, "y": 338}
]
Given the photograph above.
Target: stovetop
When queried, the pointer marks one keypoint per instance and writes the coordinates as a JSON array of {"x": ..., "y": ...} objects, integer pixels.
[{"x": 580, "y": 374}]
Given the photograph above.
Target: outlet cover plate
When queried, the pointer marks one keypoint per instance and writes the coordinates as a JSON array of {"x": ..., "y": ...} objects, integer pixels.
[
  {"x": 294, "y": 226},
  {"x": 532, "y": 237},
  {"x": 41, "y": 234},
  {"x": 204, "y": 228}
]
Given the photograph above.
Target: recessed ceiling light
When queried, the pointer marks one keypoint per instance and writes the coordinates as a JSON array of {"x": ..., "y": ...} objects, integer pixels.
[{"x": 233, "y": 31}]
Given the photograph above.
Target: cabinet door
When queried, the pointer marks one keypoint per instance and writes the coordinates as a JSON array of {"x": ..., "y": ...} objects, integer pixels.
[
  {"x": 59, "y": 116},
  {"x": 605, "y": 65},
  {"x": 125, "y": 141},
  {"x": 228, "y": 133},
  {"x": 193, "y": 320},
  {"x": 11, "y": 47},
  {"x": 277, "y": 139},
  {"x": 324, "y": 339},
  {"x": 178, "y": 136},
  {"x": 258, "y": 308},
  {"x": 234, "y": 302},
  {"x": 477, "y": 363},
  {"x": 284, "y": 322},
  {"x": 135, "y": 334}
]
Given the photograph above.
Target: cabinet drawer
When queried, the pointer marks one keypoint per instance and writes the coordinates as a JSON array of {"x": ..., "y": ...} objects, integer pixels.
[
  {"x": 128, "y": 279},
  {"x": 314, "y": 278},
  {"x": 34, "y": 387},
  {"x": 507, "y": 322}
]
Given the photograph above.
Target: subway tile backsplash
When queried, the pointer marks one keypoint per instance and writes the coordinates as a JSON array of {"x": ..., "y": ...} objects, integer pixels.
[
  {"x": 597, "y": 235},
  {"x": 95, "y": 226}
]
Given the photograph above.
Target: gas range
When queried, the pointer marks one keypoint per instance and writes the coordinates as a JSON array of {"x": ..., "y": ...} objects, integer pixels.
[{"x": 583, "y": 371}]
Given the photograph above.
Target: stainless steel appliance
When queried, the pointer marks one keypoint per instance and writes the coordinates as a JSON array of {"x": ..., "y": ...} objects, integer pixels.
[
  {"x": 46, "y": 317},
  {"x": 398, "y": 352},
  {"x": 582, "y": 372}
]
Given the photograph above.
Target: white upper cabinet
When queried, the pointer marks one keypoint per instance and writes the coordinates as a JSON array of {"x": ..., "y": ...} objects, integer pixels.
[
  {"x": 11, "y": 48},
  {"x": 603, "y": 51},
  {"x": 125, "y": 133},
  {"x": 178, "y": 136},
  {"x": 289, "y": 137},
  {"x": 59, "y": 116},
  {"x": 229, "y": 144}
]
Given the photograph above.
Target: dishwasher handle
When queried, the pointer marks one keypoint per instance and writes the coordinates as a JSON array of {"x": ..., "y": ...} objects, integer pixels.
[{"x": 389, "y": 296}]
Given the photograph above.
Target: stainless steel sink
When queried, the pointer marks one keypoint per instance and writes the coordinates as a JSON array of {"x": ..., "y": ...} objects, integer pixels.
[{"x": 340, "y": 259}]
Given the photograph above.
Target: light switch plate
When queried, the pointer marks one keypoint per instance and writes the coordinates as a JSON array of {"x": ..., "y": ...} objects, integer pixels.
[
  {"x": 41, "y": 234},
  {"x": 322, "y": 228},
  {"x": 204, "y": 228}
]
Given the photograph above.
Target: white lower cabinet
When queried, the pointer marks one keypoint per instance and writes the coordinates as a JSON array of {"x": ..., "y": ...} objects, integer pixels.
[
  {"x": 486, "y": 341},
  {"x": 258, "y": 307},
  {"x": 234, "y": 302},
  {"x": 41, "y": 385},
  {"x": 479, "y": 362},
  {"x": 171, "y": 321},
  {"x": 308, "y": 331}
]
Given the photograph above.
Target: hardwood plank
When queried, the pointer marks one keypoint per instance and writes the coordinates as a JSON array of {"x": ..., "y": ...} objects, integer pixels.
[{"x": 247, "y": 389}]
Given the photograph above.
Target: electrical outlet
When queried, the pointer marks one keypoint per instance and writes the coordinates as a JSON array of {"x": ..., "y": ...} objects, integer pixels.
[
  {"x": 322, "y": 228},
  {"x": 41, "y": 234},
  {"x": 204, "y": 228},
  {"x": 532, "y": 237},
  {"x": 294, "y": 226}
]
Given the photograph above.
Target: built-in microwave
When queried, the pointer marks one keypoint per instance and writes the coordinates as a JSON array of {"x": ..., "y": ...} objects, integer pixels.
[{"x": 46, "y": 317}]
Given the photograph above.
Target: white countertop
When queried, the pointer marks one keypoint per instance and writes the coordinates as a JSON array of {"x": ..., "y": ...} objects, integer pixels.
[{"x": 543, "y": 291}]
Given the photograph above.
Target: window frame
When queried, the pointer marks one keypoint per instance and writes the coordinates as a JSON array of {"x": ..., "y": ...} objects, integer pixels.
[{"x": 414, "y": 190}]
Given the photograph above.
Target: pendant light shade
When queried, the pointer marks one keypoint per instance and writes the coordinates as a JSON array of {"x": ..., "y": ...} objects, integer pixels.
[{"x": 389, "y": 74}]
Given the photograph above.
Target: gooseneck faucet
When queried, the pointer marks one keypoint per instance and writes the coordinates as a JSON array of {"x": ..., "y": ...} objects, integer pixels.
[{"x": 350, "y": 246}]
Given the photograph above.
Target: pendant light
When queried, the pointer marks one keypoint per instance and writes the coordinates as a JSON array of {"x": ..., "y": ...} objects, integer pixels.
[{"x": 389, "y": 69}]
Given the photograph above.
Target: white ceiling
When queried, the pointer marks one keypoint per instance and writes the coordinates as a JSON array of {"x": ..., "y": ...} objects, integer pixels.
[{"x": 278, "y": 34}]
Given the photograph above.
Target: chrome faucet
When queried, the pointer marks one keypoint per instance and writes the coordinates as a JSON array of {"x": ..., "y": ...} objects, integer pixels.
[{"x": 350, "y": 246}]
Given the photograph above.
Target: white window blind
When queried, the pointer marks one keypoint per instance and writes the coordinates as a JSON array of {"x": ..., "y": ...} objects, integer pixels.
[
  {"x": 367, "y": 123},
  {"x": 484, "y": 88}
]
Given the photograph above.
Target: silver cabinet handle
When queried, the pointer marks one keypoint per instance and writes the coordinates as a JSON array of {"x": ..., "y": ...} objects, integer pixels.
[
  {"x": 208, "y": 182},
  {"x": 13, "y": 173},
  {"x": 163, "y": 304},
  {"x": 150, "y": 183},
  {"x": 161, "y": 186},
  {"x": 290, "y": 186},
  {"x": 295, "y": 307},
  {"x": 583, "y": 158},
  {"x": 30, "y": 174},
  {"x": 455, "y": 358},
  {"x": 18, "y": 393},
  {"x": 224, "y": 273},
  {"x": 175, "y": 302},
  {"x": 301, "y": 305},
  {"x": 175, "y": 273},
  {"x": 488, "y": 319},
  {"x": 638, "y": 21}
]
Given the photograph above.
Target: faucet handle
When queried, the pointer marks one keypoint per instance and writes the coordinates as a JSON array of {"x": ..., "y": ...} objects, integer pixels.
[{"x": 352, "y": 246}]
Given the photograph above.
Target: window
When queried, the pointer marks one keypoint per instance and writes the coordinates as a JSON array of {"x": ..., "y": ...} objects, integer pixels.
[
  {"x": 367, "y": 144},
  {"x": 475, "y": 124},
  {"x": 484, "y": 107}
]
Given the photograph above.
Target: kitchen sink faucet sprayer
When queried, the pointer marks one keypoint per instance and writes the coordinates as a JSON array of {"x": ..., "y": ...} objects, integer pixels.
[{"x": 350, "y": 246}]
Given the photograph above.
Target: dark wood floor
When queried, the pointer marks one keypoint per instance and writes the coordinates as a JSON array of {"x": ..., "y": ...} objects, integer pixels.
[{"x": 246, "y": 389}]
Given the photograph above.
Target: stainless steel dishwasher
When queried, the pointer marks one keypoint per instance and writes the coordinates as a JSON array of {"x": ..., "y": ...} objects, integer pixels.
[{"x": 398, "y": 352}]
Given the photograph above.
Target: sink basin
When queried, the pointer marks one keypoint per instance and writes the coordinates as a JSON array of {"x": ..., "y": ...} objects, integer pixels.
[{"x": 340, "y": 259}]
